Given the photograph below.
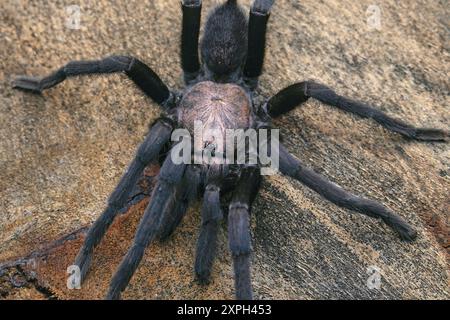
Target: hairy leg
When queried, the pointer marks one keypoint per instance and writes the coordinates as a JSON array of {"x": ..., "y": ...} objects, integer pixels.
[
  {"x": 211, "y": 212},
  {"x": 259, "y": 16},
  {"x": 207, "y": 240},
  {"x": 143, "y": 76},
  {"x": 186, "y": 192},
  {"x": 158, "y": 136},
  {"x": 294, "y": 95},
  {"x": 292, "y": 167},
  {"x": 239, "y": 236},
  {"x": 163, "y": 194},
  {"x": 189, "y": 38}
]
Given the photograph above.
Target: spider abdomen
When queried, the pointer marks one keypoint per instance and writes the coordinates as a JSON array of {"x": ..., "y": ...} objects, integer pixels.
[{"x": 216, "y": 106}]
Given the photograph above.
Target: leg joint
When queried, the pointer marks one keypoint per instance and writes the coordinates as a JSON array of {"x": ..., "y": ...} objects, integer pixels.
[
  {"x": 261, "y": 7},
  {"x": 192, "y": 3},
  {"x": 237, "y": 206},
  {"x": 240, "y": 247}
]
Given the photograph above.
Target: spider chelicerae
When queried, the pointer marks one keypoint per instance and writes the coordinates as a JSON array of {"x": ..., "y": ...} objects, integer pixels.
[{"x": 219, "y": 91}]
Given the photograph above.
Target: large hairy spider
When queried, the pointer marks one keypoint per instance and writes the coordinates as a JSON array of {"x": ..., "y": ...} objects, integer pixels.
[{"x": 219, "y": 91}]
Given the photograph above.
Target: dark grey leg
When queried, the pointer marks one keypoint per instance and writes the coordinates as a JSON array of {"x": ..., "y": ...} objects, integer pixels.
[
  {"x": 207, "y": 240},
  {"x": 158, "y": 136},
  {"x": 257, "y": 26},
  {"x": 294, "y": 95},
  {"x": 143, "y": 76},
  {"x": 186, "y": 192},
  {"x": 239, "y": 236},
  {"x": 294, "y": 168},
  {"x": 189, "y": 38},
  {"x": 169, "y": 177}
]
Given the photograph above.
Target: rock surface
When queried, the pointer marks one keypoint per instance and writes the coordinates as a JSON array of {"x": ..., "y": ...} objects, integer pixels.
[{"x": 62, "y": 153}]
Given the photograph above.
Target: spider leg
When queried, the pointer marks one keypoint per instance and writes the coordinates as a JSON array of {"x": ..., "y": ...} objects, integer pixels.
[
  {"x": 163, "y": 194},
  {"x": 159, "y": 134},
  {"x": 290, "y": 97},
  {"x": 173, "y": 216},
  {"x": 259, "y": 16},
  {"x": 186, "y": 192},
  {"x": 207, "y": 240},
  {"x": 239, "y": 236},
  {"x": 142, "y": 75},
  {"x": 211, "y": 216},
  {"x": 189, "y": 38},
  {"x": 292, "y": 167}
]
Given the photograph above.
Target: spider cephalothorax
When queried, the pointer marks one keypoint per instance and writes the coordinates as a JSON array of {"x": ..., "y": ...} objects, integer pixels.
[
  {"x": 219, "y": 93},
  {"x": 216, "y": 105}
]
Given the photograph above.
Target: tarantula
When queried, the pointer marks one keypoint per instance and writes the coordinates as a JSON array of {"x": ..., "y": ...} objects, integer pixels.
[{"x": 218, "y": 91}]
